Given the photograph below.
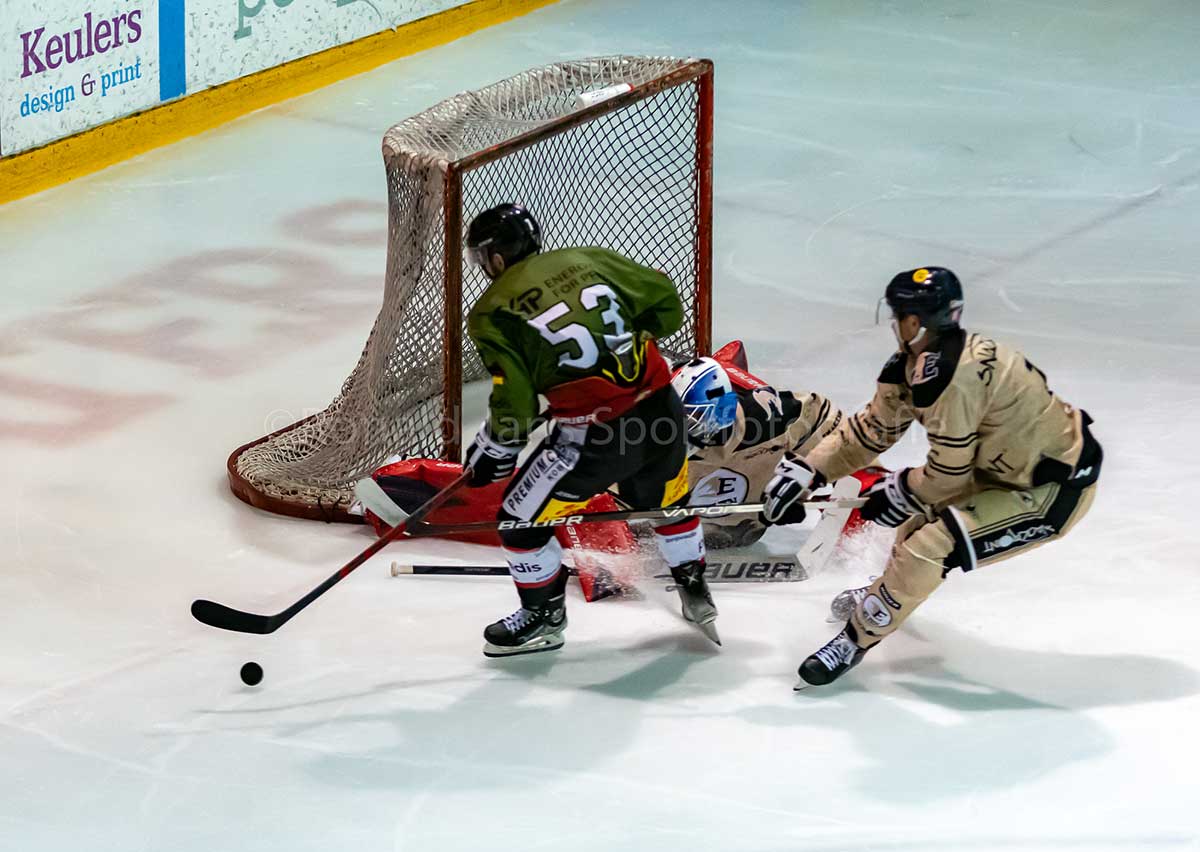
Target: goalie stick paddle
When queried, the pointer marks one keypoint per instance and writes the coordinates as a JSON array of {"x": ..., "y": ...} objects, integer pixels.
[
  {"x": 377, "y": 501},
  {"x": 823, "y": 540},
  {"x": 227, "y": 618}
]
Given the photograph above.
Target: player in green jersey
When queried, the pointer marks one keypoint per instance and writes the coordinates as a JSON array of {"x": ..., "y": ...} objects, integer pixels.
[{"x": 578, "y": 327}]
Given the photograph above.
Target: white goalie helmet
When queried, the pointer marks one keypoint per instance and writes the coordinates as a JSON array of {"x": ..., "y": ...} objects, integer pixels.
[{"x": 709, "y": 401}]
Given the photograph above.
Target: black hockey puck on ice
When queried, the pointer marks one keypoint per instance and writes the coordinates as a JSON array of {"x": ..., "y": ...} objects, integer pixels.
[{"x": 252, "y": 674}]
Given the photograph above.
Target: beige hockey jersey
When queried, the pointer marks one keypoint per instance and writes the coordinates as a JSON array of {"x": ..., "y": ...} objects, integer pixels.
[
  {"x": 991, "y": 418},
  {"x": 769, "y": 423}
]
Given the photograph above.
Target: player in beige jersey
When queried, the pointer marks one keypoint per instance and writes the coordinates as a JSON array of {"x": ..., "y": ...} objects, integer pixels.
[{"x": 1010, "y": 465}]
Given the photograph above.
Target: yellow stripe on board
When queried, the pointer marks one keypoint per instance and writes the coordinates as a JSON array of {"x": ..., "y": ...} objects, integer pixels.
[{"x": 92, "y": 150}]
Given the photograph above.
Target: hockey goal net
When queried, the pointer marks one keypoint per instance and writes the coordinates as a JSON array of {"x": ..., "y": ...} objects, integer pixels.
[{"x": 612, "y": 151}]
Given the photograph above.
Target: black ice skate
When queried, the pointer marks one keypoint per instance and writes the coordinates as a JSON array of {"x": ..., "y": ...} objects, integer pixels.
[
  {"x": 840, "y": 654},
  {"x": 698, "y": 606},
  {"x": 527, "y": 631}
]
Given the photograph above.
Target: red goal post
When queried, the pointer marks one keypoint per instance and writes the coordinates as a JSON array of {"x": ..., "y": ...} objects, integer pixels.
[{"x": 613, "y": 151}]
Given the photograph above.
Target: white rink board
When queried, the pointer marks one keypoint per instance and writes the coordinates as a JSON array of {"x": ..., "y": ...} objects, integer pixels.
[
  {"x": 160, "y": 313},
  {"x": 67, "y": 65},
  {"x": 233, "y": 38}
]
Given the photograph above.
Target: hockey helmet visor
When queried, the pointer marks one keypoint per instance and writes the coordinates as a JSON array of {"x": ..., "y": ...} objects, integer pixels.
[{"x": 709, "y": 401}]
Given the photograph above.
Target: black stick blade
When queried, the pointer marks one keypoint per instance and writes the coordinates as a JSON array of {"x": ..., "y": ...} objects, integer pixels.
[{"x": 225, "y": 618}]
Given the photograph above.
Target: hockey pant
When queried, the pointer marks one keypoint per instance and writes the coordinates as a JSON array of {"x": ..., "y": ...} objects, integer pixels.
[
  {"x": 643, "y": 452},
  {"x": 987, "y": 527}
]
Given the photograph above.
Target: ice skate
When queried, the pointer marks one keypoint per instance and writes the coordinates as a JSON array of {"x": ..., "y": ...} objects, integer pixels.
[
  {"x": 696, "y": 599},
  {"x": 844, "y": 604},
  {"x": 527, "y": 631},
  {"x": 838, "y": 656}
]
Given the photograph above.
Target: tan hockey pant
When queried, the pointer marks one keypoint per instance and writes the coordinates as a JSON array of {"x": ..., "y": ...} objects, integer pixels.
[{"x": 987, "y": 527}]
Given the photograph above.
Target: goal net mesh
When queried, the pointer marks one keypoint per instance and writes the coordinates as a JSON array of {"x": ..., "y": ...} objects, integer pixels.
[{"x": 625, "y": 178}]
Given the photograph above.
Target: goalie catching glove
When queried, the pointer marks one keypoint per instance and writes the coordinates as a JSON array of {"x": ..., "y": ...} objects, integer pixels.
[
  {"x": 783, "y": 498},
  {"x": 890, "y": 502},
  {"x": 490, "y": 460}
]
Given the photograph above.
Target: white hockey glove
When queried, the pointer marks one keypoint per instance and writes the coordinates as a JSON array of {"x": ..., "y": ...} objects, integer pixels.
[
  {"x": 490, "y": 460},
  {"x": 890, "y": 502},
  {"x": 783, "y": 498}
]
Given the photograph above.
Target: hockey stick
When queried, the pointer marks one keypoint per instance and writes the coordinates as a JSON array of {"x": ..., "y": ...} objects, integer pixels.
[
  {"x": 377, "y": 501},
  {"x": 767, "y": 569},
  {"x": 678, "y": 512},
  {"x": 399, "y": 570},
  {"x": 226, "y": 618}
]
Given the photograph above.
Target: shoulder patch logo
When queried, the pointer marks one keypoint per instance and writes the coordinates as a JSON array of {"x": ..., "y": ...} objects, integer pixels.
[
  {"x": 926, "y": 369},
  {"x": 920, "y": 276}
]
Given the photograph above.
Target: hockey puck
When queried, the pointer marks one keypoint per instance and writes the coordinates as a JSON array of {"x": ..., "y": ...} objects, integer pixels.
[{"x": 252, "y": 674}]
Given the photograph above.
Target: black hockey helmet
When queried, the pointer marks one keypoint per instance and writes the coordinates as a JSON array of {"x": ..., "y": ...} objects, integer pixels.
[
  {"x": 933, "y": 293},
  {"x": 508, "y": 230}
]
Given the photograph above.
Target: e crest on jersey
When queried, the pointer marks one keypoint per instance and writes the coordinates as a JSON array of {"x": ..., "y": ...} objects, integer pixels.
[{"x": 722, "y": 487}]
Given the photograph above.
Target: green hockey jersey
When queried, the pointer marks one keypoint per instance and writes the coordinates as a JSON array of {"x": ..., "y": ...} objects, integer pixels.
[{"x": 576, "y": 325}]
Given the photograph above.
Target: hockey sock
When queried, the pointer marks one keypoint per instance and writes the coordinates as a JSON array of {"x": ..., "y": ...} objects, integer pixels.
[
  {"x": 680, "y": 542},
  {"x": 538, "y": 573}
]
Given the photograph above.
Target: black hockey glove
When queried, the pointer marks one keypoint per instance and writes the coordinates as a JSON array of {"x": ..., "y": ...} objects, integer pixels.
[
  {"x": 890, "y": 502},
  {"x": 489, "y": 460},
  {"x": 783, "y": 498}
]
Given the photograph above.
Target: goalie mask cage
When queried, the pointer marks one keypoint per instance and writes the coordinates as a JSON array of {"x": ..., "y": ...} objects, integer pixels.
[{"x": 611, "y": 151}]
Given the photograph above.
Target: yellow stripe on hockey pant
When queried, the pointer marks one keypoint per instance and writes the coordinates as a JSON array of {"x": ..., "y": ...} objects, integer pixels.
[
  {"x": 560, "y": 508},
  {"x": 673, "y": 492},
  {"x": 677, "y": 488}
]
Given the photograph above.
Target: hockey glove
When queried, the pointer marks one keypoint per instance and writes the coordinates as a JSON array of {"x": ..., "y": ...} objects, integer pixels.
[
  {"x": 890, "y": 502},
  {"x": 490, "y": 460},
  {"x": 783, "y": 498}
]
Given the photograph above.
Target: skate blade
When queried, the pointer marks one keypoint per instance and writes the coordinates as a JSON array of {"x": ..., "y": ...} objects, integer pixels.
[
  {"x": 710, "y": 631},
  {"x": 707, "y": 627},
  {"x": 801, "y": 685},
  {"x": 541, "y": 643}
]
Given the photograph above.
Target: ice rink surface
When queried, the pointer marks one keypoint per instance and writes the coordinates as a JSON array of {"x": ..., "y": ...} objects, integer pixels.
[{"x": 166, "y": 310}]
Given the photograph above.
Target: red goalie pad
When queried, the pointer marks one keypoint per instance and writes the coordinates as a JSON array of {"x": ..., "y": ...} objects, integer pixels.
[
  {"x": 411, "y": 482},
  {"x": 732, "y": 356}
]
